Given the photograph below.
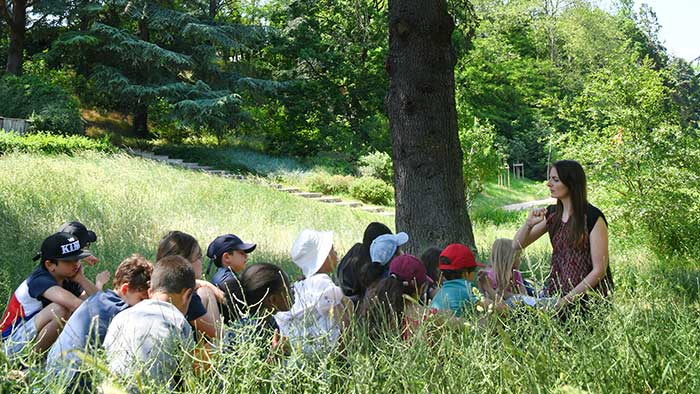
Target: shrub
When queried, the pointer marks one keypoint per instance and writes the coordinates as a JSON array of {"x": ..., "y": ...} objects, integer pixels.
[
  {"x": 49, "y": 106},
  {"x": 329, "y": 184},
  {"x": 372, "y": 190},
  {"x": 51, "y": 144},
  {"x": 377, "y": 165}
]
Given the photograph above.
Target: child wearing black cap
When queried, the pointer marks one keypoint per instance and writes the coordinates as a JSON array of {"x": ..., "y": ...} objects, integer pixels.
[
  {"x": 50, "y": 294},
  {"x": 230, "y": 254},
  {"x": 85, "y": 236}
]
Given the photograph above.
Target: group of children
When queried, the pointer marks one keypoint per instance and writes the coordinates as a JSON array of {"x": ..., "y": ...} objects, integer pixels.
[{"x": 155, "y": 312}]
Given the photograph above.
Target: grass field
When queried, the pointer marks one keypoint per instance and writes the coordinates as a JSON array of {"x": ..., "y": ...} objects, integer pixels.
[{"x": 646, "y": 340}]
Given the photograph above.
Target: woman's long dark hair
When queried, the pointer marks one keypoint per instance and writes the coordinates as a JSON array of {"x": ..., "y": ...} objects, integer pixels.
[
  {"x": 571, "y": 174},
  {"x": 177, "y": 243},
  {"x": 360, "y": 262}
]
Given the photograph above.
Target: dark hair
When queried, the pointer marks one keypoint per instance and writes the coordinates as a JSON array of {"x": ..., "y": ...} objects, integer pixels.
[
  {"x": 262, "y": 280},
  {"x": 571, "y": 174},
  {"x": 177, "y": 243},
  {"x": 382, "y": 307},
  {"x": 430, "y": 261},
  {"x": 172, "y": 274},
  {"x": 372, "y": 231},
  {"x": 135, "y": 271},
  {"x": 369, "y": 274}
]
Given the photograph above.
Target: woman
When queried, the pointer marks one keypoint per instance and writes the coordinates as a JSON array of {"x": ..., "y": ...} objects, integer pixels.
[{"x": 578, "y": 232}]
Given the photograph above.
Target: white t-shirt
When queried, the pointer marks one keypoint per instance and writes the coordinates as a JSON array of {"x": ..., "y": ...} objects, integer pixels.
[
  {"x": 149, "y": 339},
  {"x": 314, "y": 321}
]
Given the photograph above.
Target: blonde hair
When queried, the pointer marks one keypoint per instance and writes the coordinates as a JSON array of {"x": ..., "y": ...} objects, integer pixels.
[{"x": 503, "y": 256}]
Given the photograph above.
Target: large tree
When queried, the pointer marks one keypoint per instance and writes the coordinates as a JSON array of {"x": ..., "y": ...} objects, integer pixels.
[{"x": 430, "y": 201}]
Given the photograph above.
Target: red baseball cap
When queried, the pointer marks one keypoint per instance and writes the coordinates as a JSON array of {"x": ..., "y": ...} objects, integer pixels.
[
  {"x": 408, "y": 268},
  {"x": 457, "y": 257}
]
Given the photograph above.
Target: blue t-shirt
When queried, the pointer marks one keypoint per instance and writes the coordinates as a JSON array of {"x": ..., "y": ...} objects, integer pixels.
[
  {"x": 221, "y": 275},
  {"x": 196, "y": 308},
  {"x": 85, "y": 330},
  {"x": 454, "y": 295}
]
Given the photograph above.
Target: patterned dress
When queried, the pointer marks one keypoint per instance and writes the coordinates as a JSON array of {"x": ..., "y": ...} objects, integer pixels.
[{"x": 571, "y": 264}]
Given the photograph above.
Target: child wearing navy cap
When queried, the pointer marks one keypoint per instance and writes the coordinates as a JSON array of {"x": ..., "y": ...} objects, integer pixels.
[
  {"x": 48, "y": 296},
  {"x": 230, "y": 254}
]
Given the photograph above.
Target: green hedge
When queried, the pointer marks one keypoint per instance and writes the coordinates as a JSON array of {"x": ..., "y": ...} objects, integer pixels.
[
  {"x": 46, "y": 143},
  {"x": 372, "y": 190},
  {"x": 48, "y": 106}
]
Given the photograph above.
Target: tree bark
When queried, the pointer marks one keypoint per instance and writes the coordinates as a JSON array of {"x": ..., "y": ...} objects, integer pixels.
[
  {"x": 16, "y": 22},
  {"x": 430, "y": 201}
]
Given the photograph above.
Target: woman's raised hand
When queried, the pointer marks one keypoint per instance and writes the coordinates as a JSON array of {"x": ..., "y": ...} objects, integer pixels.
[{"x": 535, "y": 217}]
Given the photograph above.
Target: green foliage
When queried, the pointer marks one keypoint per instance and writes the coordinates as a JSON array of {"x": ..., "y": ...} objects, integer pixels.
[
  {"x": 378, "y": 165},
  {"x": 633, "y": 153},
  {"x": 46, "y": 143},
  {"x": 482, "y": 157},
  {"x": 372, "y": 191},
  {"x": 38, "y": 99},
  {"x": 329, "y": 184}
]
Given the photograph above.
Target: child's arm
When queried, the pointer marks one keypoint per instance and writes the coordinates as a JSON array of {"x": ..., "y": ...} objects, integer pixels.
[
  {"x": 63, "y": 297},
  {"x": 101, "y": 279},
  {"x": 88, "y": 287}
]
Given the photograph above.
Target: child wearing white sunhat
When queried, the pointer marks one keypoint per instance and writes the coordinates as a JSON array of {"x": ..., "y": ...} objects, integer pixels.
[{"x": 315, "y": 321}]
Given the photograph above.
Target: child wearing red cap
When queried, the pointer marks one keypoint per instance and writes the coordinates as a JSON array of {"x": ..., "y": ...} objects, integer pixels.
[
  {"x": 458, "y": 268},
  {"x": 394, "y": 299}
]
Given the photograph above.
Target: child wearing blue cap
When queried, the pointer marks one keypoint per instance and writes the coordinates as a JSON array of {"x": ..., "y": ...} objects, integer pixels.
[
  {"x": 383, "y": 249},
  {"x": 230, "y": 254}
]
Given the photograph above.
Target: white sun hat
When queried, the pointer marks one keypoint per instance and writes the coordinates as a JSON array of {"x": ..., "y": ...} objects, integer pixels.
[{"x": 310, "y": 250}]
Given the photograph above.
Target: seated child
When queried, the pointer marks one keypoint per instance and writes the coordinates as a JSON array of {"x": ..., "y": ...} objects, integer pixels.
[
  {"x": 320, "y": 310},
  {"x": 393, "y": 302},
  {"x": 151, "y": 338},
  {"x": 356, "y": 259},
  {"x": 85, "y": 236},
  {"x": 87, "y": 327},
  {"x": 430, "y": 259},
  {"x": 382, "y": 250},
  {"x": 48, "y": 296},
  {"x": 458, "y": 268},
  {"x": 203, "y": 312},
  {"x": 266, "y": 291},
  {"x": 229, "y": 254},
  {"x": 503, "y": 278},
  {"x": 502, "y": 284}
]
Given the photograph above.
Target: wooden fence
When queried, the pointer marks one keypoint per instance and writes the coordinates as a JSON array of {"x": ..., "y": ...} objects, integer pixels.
[{"x": 13, "y": 124}]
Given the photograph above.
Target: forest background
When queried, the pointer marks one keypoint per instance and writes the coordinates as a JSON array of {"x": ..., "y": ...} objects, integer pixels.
[{"x": 536, "y": 80}]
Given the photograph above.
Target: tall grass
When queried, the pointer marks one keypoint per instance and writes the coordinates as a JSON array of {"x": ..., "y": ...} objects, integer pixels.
[{"x": 644, "y": 340}]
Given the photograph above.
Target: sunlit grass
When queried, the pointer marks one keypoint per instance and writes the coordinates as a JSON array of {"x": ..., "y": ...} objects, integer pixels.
[{"x": 644, "y": 341}]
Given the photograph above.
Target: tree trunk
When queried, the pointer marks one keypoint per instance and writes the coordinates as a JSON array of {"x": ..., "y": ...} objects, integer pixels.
[
  {"x": 430, "y": 202},
  {"x": 17, "y": 25}
]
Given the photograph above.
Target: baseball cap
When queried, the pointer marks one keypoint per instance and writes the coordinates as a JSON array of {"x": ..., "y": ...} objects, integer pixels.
[
  {"x": 408, "y": 268},
  {"x": 62, "y": 246},
  {"x": 310, "y": 250},
  {"x": 384, "y": 247},
  {"x": 78, "y": 229},
  {"x": 457, "y": 257},
  {"x": 226, "y": 243}
]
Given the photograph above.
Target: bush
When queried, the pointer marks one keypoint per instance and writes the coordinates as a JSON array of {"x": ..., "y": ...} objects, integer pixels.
[
  {"x": 377, "y": 165},
  {"x": 49, "y": 106},
  {"x": 51, "y": 144},
  {"x": 329, "y": 184},
  {"x": 372, "y": 191}
]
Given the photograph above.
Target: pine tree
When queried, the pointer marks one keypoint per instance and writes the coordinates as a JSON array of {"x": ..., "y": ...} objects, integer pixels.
[{"x": 139, "y": 53}]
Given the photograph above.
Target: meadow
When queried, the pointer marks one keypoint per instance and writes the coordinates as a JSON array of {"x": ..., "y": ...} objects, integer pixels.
[{"x": 644, "y": 340}]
